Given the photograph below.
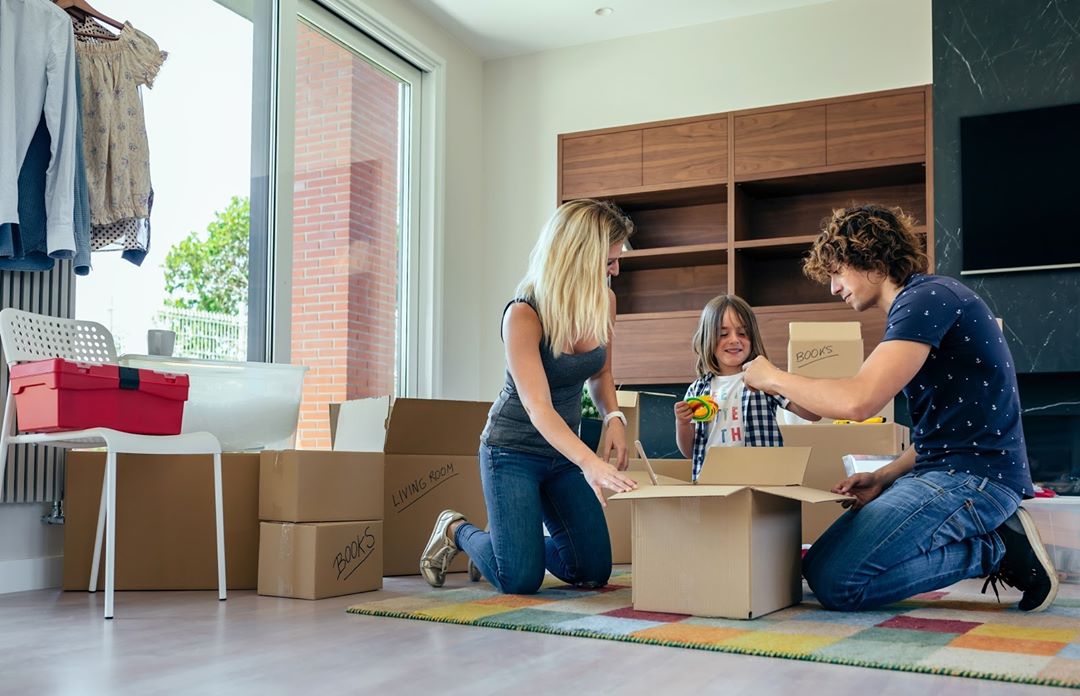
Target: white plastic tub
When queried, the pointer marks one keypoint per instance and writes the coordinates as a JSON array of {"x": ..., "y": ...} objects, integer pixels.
[
  {"x": 247, "y": 405},
  {"x": 1058, "y": 520}
]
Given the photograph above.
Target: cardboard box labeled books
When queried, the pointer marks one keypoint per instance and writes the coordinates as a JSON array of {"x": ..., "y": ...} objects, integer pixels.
[
  {"x": 429, "y": 448},
  {"x": 826, "y": 349},
  {"x": 618, "y": 515},
  {"x": 728, "y": 546},
  {"x": 322, "y": 559},
  {"x": 165, "y": 536},
  {"x": 830, "y": 443},
  {"x": 320, "y": 486}
]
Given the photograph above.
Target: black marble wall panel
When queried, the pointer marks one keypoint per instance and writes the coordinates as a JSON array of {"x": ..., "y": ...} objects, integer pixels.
[{"x": 992, "y": 56}]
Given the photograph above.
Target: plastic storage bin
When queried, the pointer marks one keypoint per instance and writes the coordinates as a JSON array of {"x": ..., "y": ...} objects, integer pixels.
[
  {"x": 56, "y": 394},
  {"x": 247, "y": 405},
  {"x": 1058, "y": 520}
]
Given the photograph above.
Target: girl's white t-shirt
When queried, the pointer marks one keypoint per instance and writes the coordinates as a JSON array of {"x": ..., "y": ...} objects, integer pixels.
[{"x": 726, "y": 430}]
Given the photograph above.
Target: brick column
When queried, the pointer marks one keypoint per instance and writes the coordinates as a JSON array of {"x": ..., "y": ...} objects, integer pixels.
[{"x": 345, "y": 238}]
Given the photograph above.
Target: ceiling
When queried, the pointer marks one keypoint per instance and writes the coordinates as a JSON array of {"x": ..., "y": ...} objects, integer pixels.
[{"x": 502, "y": 28}]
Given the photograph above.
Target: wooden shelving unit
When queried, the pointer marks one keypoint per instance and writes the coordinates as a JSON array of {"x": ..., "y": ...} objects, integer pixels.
[{"x": 731, "y": 203}]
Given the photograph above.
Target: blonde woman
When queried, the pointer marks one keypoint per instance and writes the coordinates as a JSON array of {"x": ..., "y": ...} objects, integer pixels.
[{"x": 536, "y": 471}]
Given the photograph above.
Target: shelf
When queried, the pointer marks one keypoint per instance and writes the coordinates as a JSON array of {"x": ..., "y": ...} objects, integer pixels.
[
  {"x": 664, "y": 195},
  {"x": 901, "y": 170},
  {"x": 674, "y": 257},
  {"x": 782, "y": 244}
]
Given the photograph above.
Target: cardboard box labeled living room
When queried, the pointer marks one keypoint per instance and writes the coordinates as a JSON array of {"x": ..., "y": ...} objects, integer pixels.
[
  {"x": 430, "y": 448},
  {"x": 728, "y": 546}
]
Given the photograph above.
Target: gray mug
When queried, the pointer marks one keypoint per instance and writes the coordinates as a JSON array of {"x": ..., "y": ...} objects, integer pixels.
[{"x": 160, "y": 342}]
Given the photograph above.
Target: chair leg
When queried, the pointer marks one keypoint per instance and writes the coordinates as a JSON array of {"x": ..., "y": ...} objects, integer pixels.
[
  {"x": 219, "y": 511},
  {"x": 9, "y": 423},
  {"x": 95, "y": 564},
  {"x": 110, "y": 531}
]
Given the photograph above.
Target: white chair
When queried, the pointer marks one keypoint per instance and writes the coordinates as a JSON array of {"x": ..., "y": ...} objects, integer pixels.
[{"x": 27, "y": 336}]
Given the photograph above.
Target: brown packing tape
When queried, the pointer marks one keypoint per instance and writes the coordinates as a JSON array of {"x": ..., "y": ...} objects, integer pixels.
[{"x": 286, "y": 567}]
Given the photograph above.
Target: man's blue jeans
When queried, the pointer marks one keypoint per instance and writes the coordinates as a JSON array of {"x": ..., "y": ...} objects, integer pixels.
[
  {"x": 924, "y": 532},
  {"x": 525, "y": 492}
]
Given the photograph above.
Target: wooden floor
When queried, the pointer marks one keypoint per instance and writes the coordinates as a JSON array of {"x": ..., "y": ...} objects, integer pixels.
[{"x": 55, "y": 642}]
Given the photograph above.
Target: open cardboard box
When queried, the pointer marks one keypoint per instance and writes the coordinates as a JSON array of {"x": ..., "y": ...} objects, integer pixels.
[
  {"x": 830, "y": 442},
  {"x": 728, "y": 546},
  {"x": 429, "y": 448}
]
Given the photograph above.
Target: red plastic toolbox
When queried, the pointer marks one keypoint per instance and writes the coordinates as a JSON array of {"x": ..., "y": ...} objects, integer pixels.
[{"x": 53, "y": 395}]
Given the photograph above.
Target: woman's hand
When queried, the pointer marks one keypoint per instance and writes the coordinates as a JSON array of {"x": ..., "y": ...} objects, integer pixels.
[
  {"x": 600, "y": 475},
  {"x": 615, "y": 439},
  {"x": 684, "y": 412},
  {"x": 864, "y": 486}
]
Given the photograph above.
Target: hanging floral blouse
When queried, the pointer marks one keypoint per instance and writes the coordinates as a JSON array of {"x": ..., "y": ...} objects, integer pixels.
[{"x": 115, "y": 144}]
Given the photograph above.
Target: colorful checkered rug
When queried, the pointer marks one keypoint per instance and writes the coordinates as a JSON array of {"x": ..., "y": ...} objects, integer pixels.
[{"x": 947, "y": 632}]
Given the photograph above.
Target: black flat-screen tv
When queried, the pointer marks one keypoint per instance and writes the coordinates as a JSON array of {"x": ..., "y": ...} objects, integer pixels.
[{"x": 1020, "y": 190}]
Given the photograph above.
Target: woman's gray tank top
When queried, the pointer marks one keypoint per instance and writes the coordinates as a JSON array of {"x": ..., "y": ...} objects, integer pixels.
[{"x": 508, "y": 423}]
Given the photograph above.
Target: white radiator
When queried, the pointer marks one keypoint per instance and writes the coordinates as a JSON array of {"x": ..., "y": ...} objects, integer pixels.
[{"x": 35, "y": 474}]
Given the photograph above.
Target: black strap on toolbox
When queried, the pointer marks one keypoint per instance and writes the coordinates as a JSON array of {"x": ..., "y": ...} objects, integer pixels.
[{"x": 129, "y": 378}]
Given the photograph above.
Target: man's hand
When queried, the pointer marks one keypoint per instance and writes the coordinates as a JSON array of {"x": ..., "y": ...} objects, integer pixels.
[
  {"x": 758, "y": 374},
  {"x": 864, "y": 486}
]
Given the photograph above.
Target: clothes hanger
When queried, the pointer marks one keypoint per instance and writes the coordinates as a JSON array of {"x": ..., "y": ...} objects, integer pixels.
[{"x": 84, "y": 8}]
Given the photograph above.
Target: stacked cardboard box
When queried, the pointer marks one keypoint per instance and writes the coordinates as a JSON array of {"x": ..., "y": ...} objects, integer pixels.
[
  {"x": 165, "y": 536},
  {"x": 429, "y": 448},
  {"x": 321, "y": 533},
  {"x": 832, "y": 350}
]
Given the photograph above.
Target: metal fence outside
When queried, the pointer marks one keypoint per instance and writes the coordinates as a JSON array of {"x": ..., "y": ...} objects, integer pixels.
[{"x": 205, "y": 335}]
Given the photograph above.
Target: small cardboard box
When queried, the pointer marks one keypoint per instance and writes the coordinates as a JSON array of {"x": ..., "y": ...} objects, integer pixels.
[
  {"x": 728, "y": 546},
  {"x": 629, "y": 404},
  {"x": 320, "y": 486},
  {"x": 323, "y": 559},
  {"x": 618, "y": 515},
  {"x": 826, "y": 349},
  {"x": 830, "y": 442},
  {"x": 430, "y": 448},
  {"x": 165, "y": 529}
]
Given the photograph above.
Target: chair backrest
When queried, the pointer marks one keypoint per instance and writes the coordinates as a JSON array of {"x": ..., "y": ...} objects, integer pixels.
[{"x": 29, "y": 336}]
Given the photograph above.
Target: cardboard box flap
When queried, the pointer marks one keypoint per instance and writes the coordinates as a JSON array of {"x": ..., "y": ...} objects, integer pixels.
[
  {"x": 825, "y": 331},
  {"x": 803, "y": 493},
  {"x": 679, "y": 489},
  {"x": 754, "y": 466},
  {"x": 627, "y": 399},
  {"x": 435, "y": 427}
]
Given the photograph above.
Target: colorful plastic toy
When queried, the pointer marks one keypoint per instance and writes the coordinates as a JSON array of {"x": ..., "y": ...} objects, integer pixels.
[{"x": 705, "y": 408}]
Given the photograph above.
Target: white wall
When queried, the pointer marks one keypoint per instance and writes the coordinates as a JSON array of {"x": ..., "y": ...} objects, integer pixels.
[
  {"x": 30, "y": 552},
  {"x": 826, "y": 50}
]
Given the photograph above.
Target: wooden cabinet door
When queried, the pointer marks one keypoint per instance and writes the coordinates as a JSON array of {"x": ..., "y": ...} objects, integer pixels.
[
  {"x": 685, "y": 152},
  {"x": 773, "y": 141},
  {"x": 877, "y": 128},
  {"x": 654, "y": 349},
  {"x": 595, "y": 164}
]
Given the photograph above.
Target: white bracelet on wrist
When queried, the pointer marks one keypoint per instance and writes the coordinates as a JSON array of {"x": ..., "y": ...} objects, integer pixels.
[{"x": 615, "y": 414}]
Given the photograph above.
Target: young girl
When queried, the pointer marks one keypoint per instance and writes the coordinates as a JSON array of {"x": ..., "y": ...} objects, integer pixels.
[{"x": 727, "y": 337}]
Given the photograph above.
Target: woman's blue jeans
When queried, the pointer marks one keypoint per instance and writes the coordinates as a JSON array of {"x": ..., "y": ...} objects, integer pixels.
[
  {"x": 524, "y": 493},
  {"x": 924, "y": 532}
]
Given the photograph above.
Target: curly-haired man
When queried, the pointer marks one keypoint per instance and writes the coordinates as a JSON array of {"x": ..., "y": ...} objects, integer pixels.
[{"x": 948, "y": 507}]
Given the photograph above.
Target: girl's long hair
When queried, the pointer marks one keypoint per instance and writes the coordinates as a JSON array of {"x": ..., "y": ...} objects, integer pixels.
[
  {"x": 708, "y": 332},
  {"x": 567, "y": 275}
]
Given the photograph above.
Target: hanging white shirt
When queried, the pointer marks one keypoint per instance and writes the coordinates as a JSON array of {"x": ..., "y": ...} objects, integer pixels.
[
  {"x": 37, "y": 75},
  {"x": 726, "y": 430}
]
